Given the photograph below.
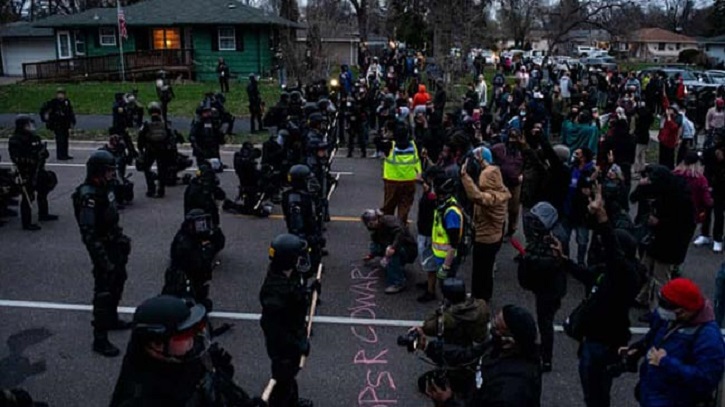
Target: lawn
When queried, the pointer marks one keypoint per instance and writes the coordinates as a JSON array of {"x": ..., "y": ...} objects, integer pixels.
[{"x": 98, "y": 97}]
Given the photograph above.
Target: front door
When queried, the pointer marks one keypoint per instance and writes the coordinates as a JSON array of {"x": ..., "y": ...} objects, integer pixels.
[{"x": 65, "y": 51}]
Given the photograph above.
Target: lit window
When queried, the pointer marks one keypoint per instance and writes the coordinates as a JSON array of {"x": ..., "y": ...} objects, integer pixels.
[
  {"x": 227, "y": 39},
  {"x": 107, "y": 36},
  {"x": 167, "y": 38}
]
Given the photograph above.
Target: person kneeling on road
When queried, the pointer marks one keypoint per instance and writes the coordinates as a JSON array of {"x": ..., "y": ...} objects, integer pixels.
[
  {"x": 507, "y": 371},
  {"x": 394, "y": 243}
]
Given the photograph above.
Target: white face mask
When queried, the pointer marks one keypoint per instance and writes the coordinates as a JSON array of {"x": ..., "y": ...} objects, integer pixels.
[{"x": 666, "y": 314}]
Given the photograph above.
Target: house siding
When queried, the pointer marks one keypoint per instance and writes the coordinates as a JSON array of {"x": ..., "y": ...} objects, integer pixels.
[
  {"x": 94, "y": 48},
  {"x": 256, "y": 56}
]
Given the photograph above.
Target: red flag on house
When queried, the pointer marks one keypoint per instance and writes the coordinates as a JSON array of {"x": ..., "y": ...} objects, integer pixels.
[{"x": 122, "y": 23}]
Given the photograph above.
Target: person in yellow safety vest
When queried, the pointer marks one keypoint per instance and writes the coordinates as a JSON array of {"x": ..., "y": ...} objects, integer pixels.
[
  {"x": 447, "y": 231},
  {"x": 401, "y": 169}
]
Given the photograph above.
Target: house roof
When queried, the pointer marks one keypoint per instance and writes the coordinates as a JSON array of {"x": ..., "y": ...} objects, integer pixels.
[
  {"x": 660, "y": 35},
  {"x": 171, "y": 13},
  {"x": 24, "y": 29}
]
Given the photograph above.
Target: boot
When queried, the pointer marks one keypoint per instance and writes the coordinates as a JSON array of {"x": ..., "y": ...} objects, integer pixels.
[
  {"x": 121, "y": 325},
  {"x": 103, "y": 346},
  {"x": 31, "y": 227}
]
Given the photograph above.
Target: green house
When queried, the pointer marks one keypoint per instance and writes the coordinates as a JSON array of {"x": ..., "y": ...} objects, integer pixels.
[{"x": 184, "y": 35}]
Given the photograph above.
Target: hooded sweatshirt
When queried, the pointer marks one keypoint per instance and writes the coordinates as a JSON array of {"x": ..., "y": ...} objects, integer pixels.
[
  {"x": 422, "y": 97},
  {"x": 463, "y": 323},
  {"x": 490, "y": 198}
]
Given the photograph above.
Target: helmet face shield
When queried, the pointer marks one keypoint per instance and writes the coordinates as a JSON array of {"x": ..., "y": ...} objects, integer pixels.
[{"x": 188, "y": 345}]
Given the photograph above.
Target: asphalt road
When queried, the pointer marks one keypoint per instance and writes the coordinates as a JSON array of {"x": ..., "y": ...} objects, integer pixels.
[
  {"x": 103, "y": 122},
  {"x": 47, "y": 349}
]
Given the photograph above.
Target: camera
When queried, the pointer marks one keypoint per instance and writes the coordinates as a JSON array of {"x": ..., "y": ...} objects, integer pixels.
[
  {"x": 409, "y": 340},
  {"x": 626, "y": 363}
]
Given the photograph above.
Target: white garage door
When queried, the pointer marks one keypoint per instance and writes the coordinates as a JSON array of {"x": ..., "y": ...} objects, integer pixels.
[{"x": 17, "y": 51}]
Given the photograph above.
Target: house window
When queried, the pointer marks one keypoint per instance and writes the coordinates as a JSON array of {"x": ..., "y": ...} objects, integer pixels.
[
  {"x": 64, "y": 45},
  {"x": 661, "y": 46},
  {"x": 167, "y": 38},
  {"x": 227, "y": 39},
  {"x": 80, "y": 43},
  {"x": 107, "y": 36}
]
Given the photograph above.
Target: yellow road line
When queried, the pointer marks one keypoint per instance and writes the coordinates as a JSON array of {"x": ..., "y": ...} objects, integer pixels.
[{"x": 332, "y": 218}]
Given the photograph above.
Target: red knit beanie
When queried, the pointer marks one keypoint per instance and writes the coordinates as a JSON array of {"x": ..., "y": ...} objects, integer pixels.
[{"x": 682, "y": 292}]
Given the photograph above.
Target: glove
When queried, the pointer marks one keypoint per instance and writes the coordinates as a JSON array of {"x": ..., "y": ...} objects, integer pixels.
[
  {"x": 316, "y": 286},
  {"x": 221, "y": 360}
]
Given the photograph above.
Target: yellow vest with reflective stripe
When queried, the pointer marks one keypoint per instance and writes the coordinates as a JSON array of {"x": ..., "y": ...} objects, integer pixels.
[
  {"x": 440, "y": 241},
  {"x": 401, "y": 166}
]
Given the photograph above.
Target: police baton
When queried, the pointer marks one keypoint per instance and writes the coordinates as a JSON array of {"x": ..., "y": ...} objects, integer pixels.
[{"x": 310, "y": 318}]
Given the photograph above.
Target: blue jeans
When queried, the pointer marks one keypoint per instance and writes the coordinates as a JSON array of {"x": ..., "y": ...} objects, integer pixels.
[
  {"x": 563, "y": 232},
  {"x": 595, "y": 379},
  {"x": 719, "y": 297},
  {"x": 394, "y": 272}
]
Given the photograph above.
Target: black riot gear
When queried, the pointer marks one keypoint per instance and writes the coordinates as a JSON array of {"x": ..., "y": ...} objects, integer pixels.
[
  {"x": 97, "y": 215},
  {"x": 156, "y": 373},
  {"x": 299, "y": 176},
  {"x": 199, "y": 222},
  {"x": 156, "y": 142},
  {"x": 99, "y": 163},
  {"x": 23, "y": 120},
  {"x": 289, "y": 252}
]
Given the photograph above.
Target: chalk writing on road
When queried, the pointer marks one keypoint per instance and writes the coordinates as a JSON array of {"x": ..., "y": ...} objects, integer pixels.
[{"x": 378, "y": 388}]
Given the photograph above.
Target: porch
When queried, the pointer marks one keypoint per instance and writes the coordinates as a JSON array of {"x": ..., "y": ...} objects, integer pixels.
[{"x": 108, "y": 67}]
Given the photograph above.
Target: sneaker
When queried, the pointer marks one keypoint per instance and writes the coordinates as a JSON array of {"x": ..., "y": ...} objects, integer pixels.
[
  {"x": 702, "y": 241},
  {"x": 426, "y": 297},
  {"x": 717, "y": 247},
  {"x": 394, "y": 289}
]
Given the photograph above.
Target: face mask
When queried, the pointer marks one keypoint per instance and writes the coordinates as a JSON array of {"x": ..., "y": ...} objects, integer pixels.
[
  {"x": 522, "y": 114},
  {"x": 666, "y": 314}
]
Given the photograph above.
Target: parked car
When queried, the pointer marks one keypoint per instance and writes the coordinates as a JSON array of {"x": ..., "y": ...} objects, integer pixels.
[
  {"x": 584, "y": 51},
  {"x": 604, "y": 63}
]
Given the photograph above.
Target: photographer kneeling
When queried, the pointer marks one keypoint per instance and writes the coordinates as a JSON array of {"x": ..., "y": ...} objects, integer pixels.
[
  {"x": 460, "y": 321},
  {"x": 507, "y": 373}
]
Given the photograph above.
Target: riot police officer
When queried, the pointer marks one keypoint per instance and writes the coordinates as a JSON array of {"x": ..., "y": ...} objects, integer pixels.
[
  {"x": 205, "y": 137},
  {"x": 169, "y": 361},
  {"x": 192, "y": 259},
  {"x": 255, "y": 104},
  {"x": 300, "y": 212},
  {"x": 319, "y": 163},
  {"x": 59, "y": 118},
  {"x": 285, "y": 298},
  {"x": 95, "y": 209},
  {"x": 164, "y": 93},
  {"x": 203, "y": 192},
  {"x": 122, "y": 186},
  {"x": 28, "y": 154},
  {"x": 314, "y": 129},
  {"x": 123, "y": 117},
  {"x": 155, "y": 141}
]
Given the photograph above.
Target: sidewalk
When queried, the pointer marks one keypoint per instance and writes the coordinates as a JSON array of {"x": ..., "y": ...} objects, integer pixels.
[{"x": 103, "y": 122}]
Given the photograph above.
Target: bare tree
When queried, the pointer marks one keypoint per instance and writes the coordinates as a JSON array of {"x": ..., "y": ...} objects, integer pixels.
[
  {"x": 569, "y": 15},
  {"x": 361, "y": 11},
  {"x": 519, "y": 17}
]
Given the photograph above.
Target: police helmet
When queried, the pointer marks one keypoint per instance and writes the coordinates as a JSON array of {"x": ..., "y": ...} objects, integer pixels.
[
  {"x": 206, "y": 175},
  {"x": 220, "y": 97},
  {"x": 454, "y": 290},
  {"x": 23, "y": 120},
  {"x": 316, "y": 118},
  {"x": 287, "y": 252},
  {"x": 198, "y": 222},
  {"x": 154, "y": 108},
  {"x": 168, "y": 318},
  {"x": 444, "y": 185},
  {"x": 296, "y": 96},
  {"x": 298, "y": 176},
  {"x": 317, "y": 144},
  {"x": 323, "y": 104},
  {"x": 309, "y": 108},
  {"x": 284, "y": 133},
  {"x": 98, "y": 163},
  {"x": 252, "y": 77}
]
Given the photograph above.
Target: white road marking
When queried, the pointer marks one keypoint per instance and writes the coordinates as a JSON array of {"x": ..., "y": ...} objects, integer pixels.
[{"x": 242, "y": 316}]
